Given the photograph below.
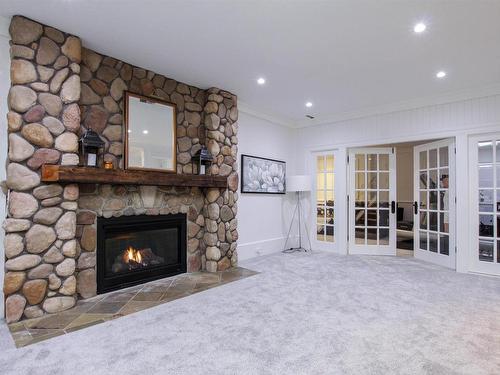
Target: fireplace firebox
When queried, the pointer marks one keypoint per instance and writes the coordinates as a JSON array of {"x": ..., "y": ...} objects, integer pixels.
[{"x": 136, "y": 249}]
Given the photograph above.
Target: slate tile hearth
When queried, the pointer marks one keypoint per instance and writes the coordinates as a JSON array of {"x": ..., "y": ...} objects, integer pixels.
[{"x": 124, "y": 302}]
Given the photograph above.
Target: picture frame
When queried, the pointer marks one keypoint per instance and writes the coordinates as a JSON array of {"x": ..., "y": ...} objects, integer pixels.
[{"x": 262, "y": 175}]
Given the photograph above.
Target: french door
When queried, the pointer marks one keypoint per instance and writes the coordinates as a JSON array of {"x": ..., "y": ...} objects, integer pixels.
[
  {"x": 372, "y": 201},
  {"x": 484, "y": 167},
  {"x": 434, "y": 207},
  {"x": 324, "y": 209}
]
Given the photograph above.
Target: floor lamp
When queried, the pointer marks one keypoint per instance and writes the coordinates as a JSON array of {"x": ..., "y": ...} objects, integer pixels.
[{"x": 298, "y": 184}]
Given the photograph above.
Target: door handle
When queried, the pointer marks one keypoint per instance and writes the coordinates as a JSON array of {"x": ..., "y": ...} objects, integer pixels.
[
  {"x": 393, "y": 207},
  {"x": 415, "y": 207}
]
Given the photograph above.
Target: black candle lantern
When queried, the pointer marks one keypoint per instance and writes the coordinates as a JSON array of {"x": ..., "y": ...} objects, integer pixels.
[
  {"x": 202, "y": 160},
  {"x": 90, "y": 143}
]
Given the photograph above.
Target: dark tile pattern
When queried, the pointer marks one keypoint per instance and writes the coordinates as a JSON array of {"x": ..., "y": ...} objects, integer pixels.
[{"x": 113, "y": 305}]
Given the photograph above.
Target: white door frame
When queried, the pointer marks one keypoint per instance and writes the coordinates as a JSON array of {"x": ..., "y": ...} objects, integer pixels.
[
  {"x": 475, "y": 265},
  {"x": 449, "y": 260},
  {"x": 373, "y": 249}
]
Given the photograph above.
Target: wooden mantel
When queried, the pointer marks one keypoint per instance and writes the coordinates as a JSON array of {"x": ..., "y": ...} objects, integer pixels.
[{"x": 89, "y": 175}]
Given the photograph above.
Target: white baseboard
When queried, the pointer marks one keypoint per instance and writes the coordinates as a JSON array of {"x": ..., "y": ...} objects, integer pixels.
[{"x": 258, "y": 248}]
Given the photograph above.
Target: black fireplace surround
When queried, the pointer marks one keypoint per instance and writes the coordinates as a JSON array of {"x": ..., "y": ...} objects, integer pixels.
[{"x": 136, "y": 249}]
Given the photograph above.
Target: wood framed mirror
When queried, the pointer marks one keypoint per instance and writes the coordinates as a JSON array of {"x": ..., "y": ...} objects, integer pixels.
[{"x": 150, "y": 133}]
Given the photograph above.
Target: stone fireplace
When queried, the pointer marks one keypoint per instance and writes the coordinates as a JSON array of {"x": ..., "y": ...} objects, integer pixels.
[
  {"x": 59, "y": 89},
  {"x": 101, "y": 202},
  {"x": 135, "y": 249}
]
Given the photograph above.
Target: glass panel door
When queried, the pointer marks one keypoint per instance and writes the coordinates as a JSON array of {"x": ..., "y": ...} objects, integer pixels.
[
  {"x": 371, "y": 208},
  {"x": 324, "y": 195},
  {"x": 485, "y": 181},
  {"x": 434, "y": 171}
]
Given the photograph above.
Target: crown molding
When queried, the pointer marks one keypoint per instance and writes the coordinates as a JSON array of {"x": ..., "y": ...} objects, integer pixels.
[
  {"x": 275, "y": 119},
  {"x": 429, "y": 101}
]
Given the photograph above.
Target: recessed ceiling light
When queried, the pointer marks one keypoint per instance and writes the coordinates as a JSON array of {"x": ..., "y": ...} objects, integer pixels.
[
  {"x": 419, "y": 27},
  {"x": 441, "y": 74},
  {"x": 130, "y": 131},
  {"x": 145, "y": 132},
  {"x": 261, "y": 81},
  {"x": 309, "y": 104}
]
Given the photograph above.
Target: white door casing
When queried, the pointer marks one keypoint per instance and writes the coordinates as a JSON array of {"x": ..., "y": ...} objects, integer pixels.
[
  {"x": 434, "y": 194},
  {"x": 372, "y": 201}
]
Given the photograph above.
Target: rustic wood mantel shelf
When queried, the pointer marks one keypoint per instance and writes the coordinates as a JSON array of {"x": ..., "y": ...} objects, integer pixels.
[{"x": 89, "y": 175}]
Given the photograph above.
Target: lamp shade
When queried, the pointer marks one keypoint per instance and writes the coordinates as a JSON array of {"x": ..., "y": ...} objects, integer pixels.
[{"x": 298, "y": 183}]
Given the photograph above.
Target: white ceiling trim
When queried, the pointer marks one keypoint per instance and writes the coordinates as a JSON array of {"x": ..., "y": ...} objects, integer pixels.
[
  {"x": 451, "y": 97},
  {"x": 279, "y": 120},
  {"x": 455, "y": 96}
]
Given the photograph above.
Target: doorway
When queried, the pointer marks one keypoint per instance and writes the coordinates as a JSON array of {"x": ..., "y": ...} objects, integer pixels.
[
  {"x": 372, "y": 207},
  {"x": 434, "y": 183},
  {"x": 401, "y": 200},
  {"x": 484, "y": 167}
]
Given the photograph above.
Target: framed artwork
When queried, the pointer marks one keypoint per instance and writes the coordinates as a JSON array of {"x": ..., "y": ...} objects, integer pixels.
[{"x": 262, "y": 175}]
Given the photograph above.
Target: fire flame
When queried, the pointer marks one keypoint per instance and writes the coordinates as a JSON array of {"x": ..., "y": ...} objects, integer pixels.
[{"x": 132, "y": 254}]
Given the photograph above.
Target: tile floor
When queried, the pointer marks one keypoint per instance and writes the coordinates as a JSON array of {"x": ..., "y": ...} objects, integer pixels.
[{"x": 116, "y": 304}]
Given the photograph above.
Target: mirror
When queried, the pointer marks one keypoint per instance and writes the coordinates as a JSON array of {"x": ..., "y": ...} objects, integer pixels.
[{"x": 150, "y": 133}]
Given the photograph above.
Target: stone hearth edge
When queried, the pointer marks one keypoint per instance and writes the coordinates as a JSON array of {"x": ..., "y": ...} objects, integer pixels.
[{"x": 58, "y": 90}]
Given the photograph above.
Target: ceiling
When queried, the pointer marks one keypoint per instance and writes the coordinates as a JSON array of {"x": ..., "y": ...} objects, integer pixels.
[{"x": 348, "y": 57}]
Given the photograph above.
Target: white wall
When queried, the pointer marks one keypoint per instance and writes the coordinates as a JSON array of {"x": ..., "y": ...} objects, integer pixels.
[
  {"x": 421, "y": 123},
  {"x": 458, "y": 120},
  {"x": 263, "y": 219},
  {"x": 4, "y": 90}
]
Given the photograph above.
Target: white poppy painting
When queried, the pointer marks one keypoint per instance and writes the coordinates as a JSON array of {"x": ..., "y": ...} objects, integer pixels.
[{"x": 260, "y": 175}]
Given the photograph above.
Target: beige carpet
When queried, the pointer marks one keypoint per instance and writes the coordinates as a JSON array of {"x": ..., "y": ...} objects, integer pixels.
[{"x": 303, "y": 314}]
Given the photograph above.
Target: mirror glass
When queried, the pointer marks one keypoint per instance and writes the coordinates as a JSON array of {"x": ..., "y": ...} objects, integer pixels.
[{"x": 149, "y": 133}]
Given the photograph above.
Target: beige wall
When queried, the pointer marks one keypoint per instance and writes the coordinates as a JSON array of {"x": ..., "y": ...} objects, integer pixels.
[{"x": 404, "y": 168}]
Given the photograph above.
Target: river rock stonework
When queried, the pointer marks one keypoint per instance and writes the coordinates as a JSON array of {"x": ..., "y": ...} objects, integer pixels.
[
  {"x": 221, "y": 115},
  {"x": 103, "y": 81},
  {"x": 43, "y": 76},
  {"x": 60, "y": 89},
  {"x": 125, "y": 200}
]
